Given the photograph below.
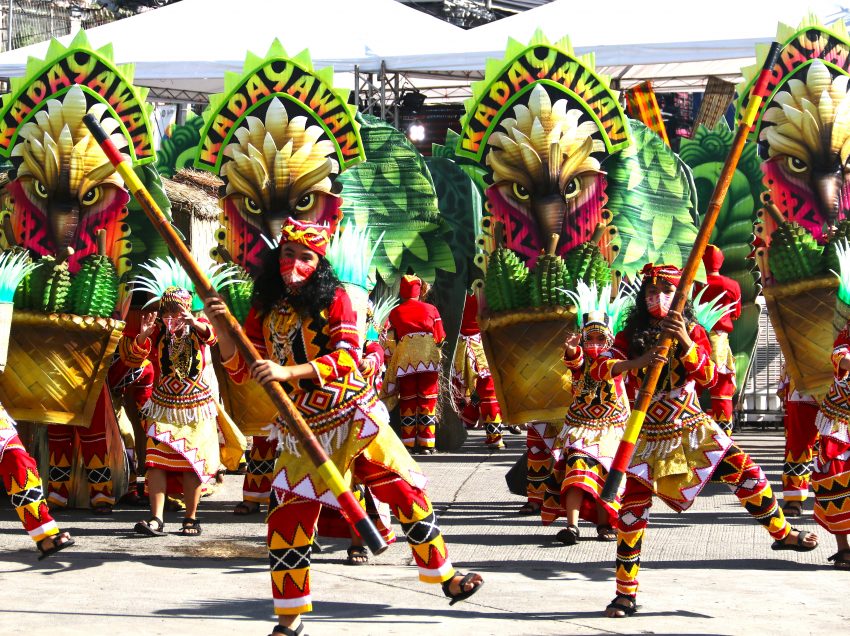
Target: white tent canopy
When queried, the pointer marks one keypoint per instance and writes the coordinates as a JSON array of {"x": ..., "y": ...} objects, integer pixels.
[
  {"x": 677, "y": 44},
  {"x": 189, "y": 46}
]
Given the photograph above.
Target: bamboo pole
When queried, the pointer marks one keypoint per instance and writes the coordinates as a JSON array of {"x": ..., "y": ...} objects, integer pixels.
[
  {"x": 353, "y": 511},
  {"x": 626, "y": 449}
]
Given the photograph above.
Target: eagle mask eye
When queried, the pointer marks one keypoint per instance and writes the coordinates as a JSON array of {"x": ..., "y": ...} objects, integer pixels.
[
  {"x": 92, "y": 196},
  {"x": 40, "y": 189},
  {"x": 252, "y": 206},
  {"x": 520, "y": 192},
  {"x": 796, "y": 165},
  {"x": 305, "y": 203}
]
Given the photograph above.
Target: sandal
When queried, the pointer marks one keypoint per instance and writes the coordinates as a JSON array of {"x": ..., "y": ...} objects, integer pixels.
[
  {"x": 568, "y": 536},
  {"x": 357, "y": 555},
  {"x": 102, "y": 510},
  {"x": 840, "y": 560},
  {"x": 463, "y": 594},
  {"x": 60, "y": 542},
  {"x": 516, "y": 430},
  {"x": 792, "y": 509},
  {"x": 245, "y": 508},
  {"x": 287, "y": 631},
  {"x": 605, "y": 533},
  {"x": 428, "y": 451},
  {"x": 147, "y": 527},
  {"x": 190, "y": 528},
  {"x": 627, "y": 610},
  {"x": 797, "y": 546},
  {"x": 529, "y": 508}
]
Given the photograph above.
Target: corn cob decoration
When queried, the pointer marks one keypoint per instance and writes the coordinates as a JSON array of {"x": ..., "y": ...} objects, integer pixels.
[
  {"x": 94, "y": 289},
  {"x": 506, "y": 283},
  {"x": 238, "y": 295},
  {"x": 56, "y": 293},
  {"x": 549, "y": 277},
  {"x": 586, "y": 263},
  {"x": 794, "y": 254}
]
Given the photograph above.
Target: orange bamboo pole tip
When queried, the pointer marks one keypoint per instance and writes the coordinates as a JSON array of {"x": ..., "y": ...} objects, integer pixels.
[
  {"x": 774, "y": 212},
  {"x": 553, "y": 244},
  {"x": 598, "y": 232}
]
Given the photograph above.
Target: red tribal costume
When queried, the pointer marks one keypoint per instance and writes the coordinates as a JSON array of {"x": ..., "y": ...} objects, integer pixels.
[
  {"x": 680, "y": 448},
  {"x": 729, "y": 291},
  {"x": 414, "y": 335},
  {"x": 180, "y": 416},
  {"x": 473, "y": 392},
  {"x": 19, "y": 473},
  {"x": 344, "y": 412},
  {"x": 593, "y": 427},
  {"x": 831, "y": 477},
  {"x": 801, "y": 435}
]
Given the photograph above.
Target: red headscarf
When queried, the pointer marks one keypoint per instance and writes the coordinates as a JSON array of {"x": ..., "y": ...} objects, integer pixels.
[
  {"x": 669, "y": 273},
  {"x": 712, "y": 259},
  {"x": 410, "y": 287},
  {"x": 311, "y": 235}
]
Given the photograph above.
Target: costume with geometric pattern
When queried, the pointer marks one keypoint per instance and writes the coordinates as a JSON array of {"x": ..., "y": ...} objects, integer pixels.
[
  {"x": 352, "y": 425},
  {"x": 801, "y": 436},
  {"x": 473, "y": 391},
  {"x": 413, "y": 338},
  {"x": 593, "y": 428},
  {"x": 19, "y": 473},
  {"x": 831, "y": 476},
  {"x": 180, "y": 416},
  {"x": 680, "y": 449}
]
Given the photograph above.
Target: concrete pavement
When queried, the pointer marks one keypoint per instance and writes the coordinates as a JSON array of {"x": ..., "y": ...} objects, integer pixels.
[{"x": 708, "y": 571}]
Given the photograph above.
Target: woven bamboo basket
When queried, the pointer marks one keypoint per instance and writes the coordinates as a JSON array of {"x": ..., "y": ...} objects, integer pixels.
[
  {"x": 525, "y": 350},
  {"x": 248, "y": 404},
  {"x": 57, "y": 366},
  {"x": 802, "y": 316}
]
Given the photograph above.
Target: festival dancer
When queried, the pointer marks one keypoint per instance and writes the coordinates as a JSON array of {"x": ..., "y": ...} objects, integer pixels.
[
  {"x": 801, "y": 434},
  {"x": 309, "y": 329},
  {"x": 680, "y": 448},
  {"x": 729, "y": 292},
  {"x": 831, "y": 476},
  {"x": 414, "y": 336},
  {"x": 473, "y": 391},
  {"x": 19, "y": 473},
  {"x": 594, "y": 423},
  {"x": 181, "y": 415}
]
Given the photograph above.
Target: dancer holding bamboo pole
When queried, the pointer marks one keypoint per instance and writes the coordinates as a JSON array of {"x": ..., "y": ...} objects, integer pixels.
[
  {"x": 677, "y": 448},
  {"x": 332, "y": 341}
]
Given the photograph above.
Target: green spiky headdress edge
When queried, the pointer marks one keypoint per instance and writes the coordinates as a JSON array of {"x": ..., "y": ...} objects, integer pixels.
[
  {"x": 611, "y": 123},
  {"x": 50, "y": 79},
  {"x": 787, "y": 35},
  {"x": 167, "y": 272},
  {"x": 210, "y": 153}
]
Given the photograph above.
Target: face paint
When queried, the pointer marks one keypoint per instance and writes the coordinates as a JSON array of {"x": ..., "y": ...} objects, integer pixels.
[
  {"x": 173, "y": 324},
  {"x": 659, "y": 304},
  {"x": 295, "y": 272},
  {"x": 594, "y": 349}
]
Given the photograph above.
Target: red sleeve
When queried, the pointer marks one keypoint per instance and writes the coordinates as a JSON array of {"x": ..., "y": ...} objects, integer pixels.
[
  {"x": 344, "y": 356},
  {"x": 697, "y": 359},
  {"x": 439, "y": 332},
  {"x": 600, "y": 369},
  {"x": 840, "y": 350},
  {"x": 373, "y": 359},
  {"x": 735, "y": 292}
]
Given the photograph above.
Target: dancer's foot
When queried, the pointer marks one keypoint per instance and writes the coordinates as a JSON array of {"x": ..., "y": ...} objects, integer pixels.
[
  {"x": 529, "y": 508},
  {"x": 621, "y": 607},
  {"x": 462, "y": 586},
  {"x": 797, "y": 540},
  {"x": 792, "y": 509}
]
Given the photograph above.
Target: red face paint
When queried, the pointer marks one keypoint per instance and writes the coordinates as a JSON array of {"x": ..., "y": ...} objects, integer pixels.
[
  {"x": 295, "y": 272},
  {"x": 659, "y": 304}
]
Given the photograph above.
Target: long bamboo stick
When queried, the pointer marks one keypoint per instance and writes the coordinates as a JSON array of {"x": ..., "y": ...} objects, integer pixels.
[
  {"x": 352, "y": 510},
  {"x": 626, "y": 449}
]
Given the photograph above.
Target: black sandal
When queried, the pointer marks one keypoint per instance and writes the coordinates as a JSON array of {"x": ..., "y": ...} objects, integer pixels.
[
  {"x": 102, "y": 510},
  {"x": 840, "y": 560},
  {"x": 796, "y": 506},
  {"x": 628, "y": 610},
  {"x": 246, "y": 508},
  {"x": 568, "y": 536},
  {"x": 357, "y": 555},
  {"x": 605, "y": 532},
  {"x": 529, "y": 508},
  {"x": 190, "y": 528},
  {"x": 286, "y": 631},
  {"x": 797, "y": 546},
  {"x": 147, "y": 527},
  {"x": 60, "y": 542},
  {"x": 463, "y": 594}
]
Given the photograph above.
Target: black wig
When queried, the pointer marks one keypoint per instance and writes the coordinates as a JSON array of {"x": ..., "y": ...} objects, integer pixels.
[{"x": 314, "y": 296}]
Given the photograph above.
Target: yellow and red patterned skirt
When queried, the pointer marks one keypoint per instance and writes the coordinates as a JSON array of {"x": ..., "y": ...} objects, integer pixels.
[
  {"x": 679, "y": 447},
  {"x": 831, "y": 476}
]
